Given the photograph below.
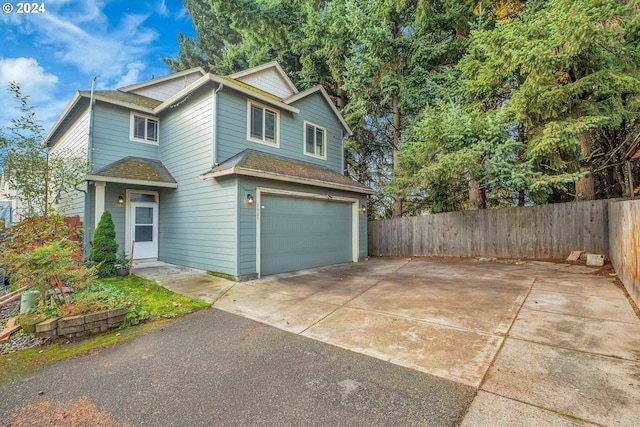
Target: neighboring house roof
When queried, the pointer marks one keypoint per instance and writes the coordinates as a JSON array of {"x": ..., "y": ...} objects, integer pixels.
[
  {"x": 135, "y": 170},
  {"x": 263, "y": 165},
  {"x": 634, "y": 150}
]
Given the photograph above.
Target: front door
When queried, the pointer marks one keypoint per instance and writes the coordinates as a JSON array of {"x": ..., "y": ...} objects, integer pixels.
[{"x": 144, "y": 229}]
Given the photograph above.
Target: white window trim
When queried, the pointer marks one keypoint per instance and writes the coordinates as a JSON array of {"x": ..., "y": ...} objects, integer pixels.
[
  {"x": 264, "y": 107},
  {"x": 132, "y": 125},
  {"x": 304, "y": 138}
]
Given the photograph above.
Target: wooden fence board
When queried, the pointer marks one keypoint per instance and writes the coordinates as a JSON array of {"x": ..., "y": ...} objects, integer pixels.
[
  {"x": 624, "y": 237},
  {"x": 547, "y": 231}
]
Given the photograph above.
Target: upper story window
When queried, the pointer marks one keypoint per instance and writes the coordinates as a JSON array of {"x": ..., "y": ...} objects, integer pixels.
[
  {"x": 263, "y": 124},
  {"x": 315, "y": 140},
  {"x": 144, "y": 128}
]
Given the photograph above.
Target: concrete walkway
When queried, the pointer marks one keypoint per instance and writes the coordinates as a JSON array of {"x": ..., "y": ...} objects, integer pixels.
[{"x": 543, "y": 343}]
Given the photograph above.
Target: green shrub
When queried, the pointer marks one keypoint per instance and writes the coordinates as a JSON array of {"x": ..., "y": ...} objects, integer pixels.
[
  {"x": 52, "y": 268},
  {"x": 104, "y": 246}
]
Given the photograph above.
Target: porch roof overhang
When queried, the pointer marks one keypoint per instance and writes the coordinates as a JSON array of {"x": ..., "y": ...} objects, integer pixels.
[
  {"x": 135, "y": 171},
  {"x": 268, "y": 166}
]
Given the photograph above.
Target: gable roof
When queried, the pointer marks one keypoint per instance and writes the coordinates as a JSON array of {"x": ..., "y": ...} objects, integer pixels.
[
  {"x": 270, "y": 166},
  {"x": 116, "y": 97},
  {"x": 125, "y": 97},
  {"x": 273, "y": 66},
  {"x": 135, "y": 170},
  {"x": 323, "y": 92},
  {"x": 228, "y": 83},
  {"x": 168, "y": 77}
]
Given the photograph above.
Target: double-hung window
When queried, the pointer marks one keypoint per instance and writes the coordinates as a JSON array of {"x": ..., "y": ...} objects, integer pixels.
[
  {"x": 315, "y": 140},
  {"x": 144, "y": 128},
  {"x": 263, "y": 124}
]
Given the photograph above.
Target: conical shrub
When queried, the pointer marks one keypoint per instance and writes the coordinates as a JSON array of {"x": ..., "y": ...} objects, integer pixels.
[{"x": 104, "y": 247}]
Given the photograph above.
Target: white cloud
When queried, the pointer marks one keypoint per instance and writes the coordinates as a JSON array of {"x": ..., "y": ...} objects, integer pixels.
[
  {"x": 162, "y": 8},
  {"x": 35, "y": 82},
  {"x": 27, "y": 72},
  {"x": 132, "y": 74},
  {"x": 100, "y": 53}
]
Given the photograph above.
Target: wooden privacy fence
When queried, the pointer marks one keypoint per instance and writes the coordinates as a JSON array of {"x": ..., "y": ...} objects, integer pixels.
[
  {"x": 547, "y": 231},
  {"x": 75, "y": 226},
  {"x": 624, "y": 242}
]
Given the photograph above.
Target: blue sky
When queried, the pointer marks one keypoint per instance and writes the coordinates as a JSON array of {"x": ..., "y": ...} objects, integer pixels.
[{"x": 58, "y": 52}]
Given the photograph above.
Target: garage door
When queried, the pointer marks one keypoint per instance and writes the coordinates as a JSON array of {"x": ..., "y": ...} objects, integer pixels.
[{"x": 298, "y": 233}]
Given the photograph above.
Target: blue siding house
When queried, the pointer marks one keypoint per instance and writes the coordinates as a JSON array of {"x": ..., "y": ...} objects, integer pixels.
[{"x": 239, "y": 174}]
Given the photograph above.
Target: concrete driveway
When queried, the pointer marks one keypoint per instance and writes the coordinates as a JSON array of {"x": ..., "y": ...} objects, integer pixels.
[{"x": 543, "y": 343}]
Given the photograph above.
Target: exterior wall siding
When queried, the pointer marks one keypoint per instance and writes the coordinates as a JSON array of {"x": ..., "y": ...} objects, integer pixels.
[
  {"x": 232, "y": 130},
  {"x": 247, "y": 243},
  {"x": 117, "y": 213},
  {"x": 269, "y": 81},
  {"x": 74, "y": 142},
  {"x": 111, "y": 141},
  {"x": 197, "y": 220}
]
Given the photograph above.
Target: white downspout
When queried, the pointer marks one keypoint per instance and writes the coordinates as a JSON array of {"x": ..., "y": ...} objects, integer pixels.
[
  {"x": 90, "y": 134},
  {"x": 214, "y": 136}
]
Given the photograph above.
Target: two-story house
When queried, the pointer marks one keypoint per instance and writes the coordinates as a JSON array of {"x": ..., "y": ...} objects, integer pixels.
[{"x": 238, "y": 174}]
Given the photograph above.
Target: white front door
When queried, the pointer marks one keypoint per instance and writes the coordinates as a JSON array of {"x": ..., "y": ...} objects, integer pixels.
[{"x": 144, "y": 229}]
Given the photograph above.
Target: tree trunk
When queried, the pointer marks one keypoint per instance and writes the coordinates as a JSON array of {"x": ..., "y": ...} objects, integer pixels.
[
  {"x": 477, "y": 197},
  {"x": 585, "y": 189},
  {"x": 341, "y": 94},
  {"x": 521, "y": 198},
  {"x": 397, "y": 201}
]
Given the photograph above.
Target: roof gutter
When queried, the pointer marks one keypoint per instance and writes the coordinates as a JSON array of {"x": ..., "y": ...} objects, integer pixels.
[
  {"x": 280, "y": 177},
  {"x": 100, "y": 178}
]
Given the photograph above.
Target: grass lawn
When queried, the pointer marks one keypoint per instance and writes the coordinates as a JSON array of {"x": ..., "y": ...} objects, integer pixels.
[{"x": 146, "y": 301}]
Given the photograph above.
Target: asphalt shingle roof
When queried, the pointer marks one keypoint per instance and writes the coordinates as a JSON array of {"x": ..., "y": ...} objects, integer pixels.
[
  {"x": 137, "y": 168},
  {"x": 126, "y": 97},
  {"x": 283, "y": 168}
]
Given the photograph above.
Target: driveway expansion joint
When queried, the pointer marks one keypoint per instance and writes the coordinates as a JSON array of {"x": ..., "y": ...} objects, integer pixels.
[{"x": 353, "y": 298}]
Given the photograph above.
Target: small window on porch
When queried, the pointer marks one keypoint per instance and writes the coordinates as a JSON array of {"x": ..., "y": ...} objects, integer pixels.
[{"x": 140, "y": 197}]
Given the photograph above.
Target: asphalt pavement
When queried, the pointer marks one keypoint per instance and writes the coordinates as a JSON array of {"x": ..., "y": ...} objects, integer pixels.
[{"x": 213, "y": 368}]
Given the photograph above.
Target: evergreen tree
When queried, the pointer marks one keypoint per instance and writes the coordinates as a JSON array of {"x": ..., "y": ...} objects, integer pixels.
[
  {"x": 104, "y": 247},
  {"x": 568, "y": 71}
]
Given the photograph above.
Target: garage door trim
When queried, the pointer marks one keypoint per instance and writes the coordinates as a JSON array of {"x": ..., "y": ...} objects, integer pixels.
[{"x": 355, "y": 249}]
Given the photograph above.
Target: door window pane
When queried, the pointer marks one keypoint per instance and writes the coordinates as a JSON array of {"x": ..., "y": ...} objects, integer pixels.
[
  {"x": 138, "y": 197},
  {"x": 144, "y": 215},
  {"x": 144, "y": 233}
]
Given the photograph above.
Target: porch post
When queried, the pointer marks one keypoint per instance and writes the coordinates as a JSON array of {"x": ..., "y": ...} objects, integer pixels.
[{"x": 100, "y": 196}]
